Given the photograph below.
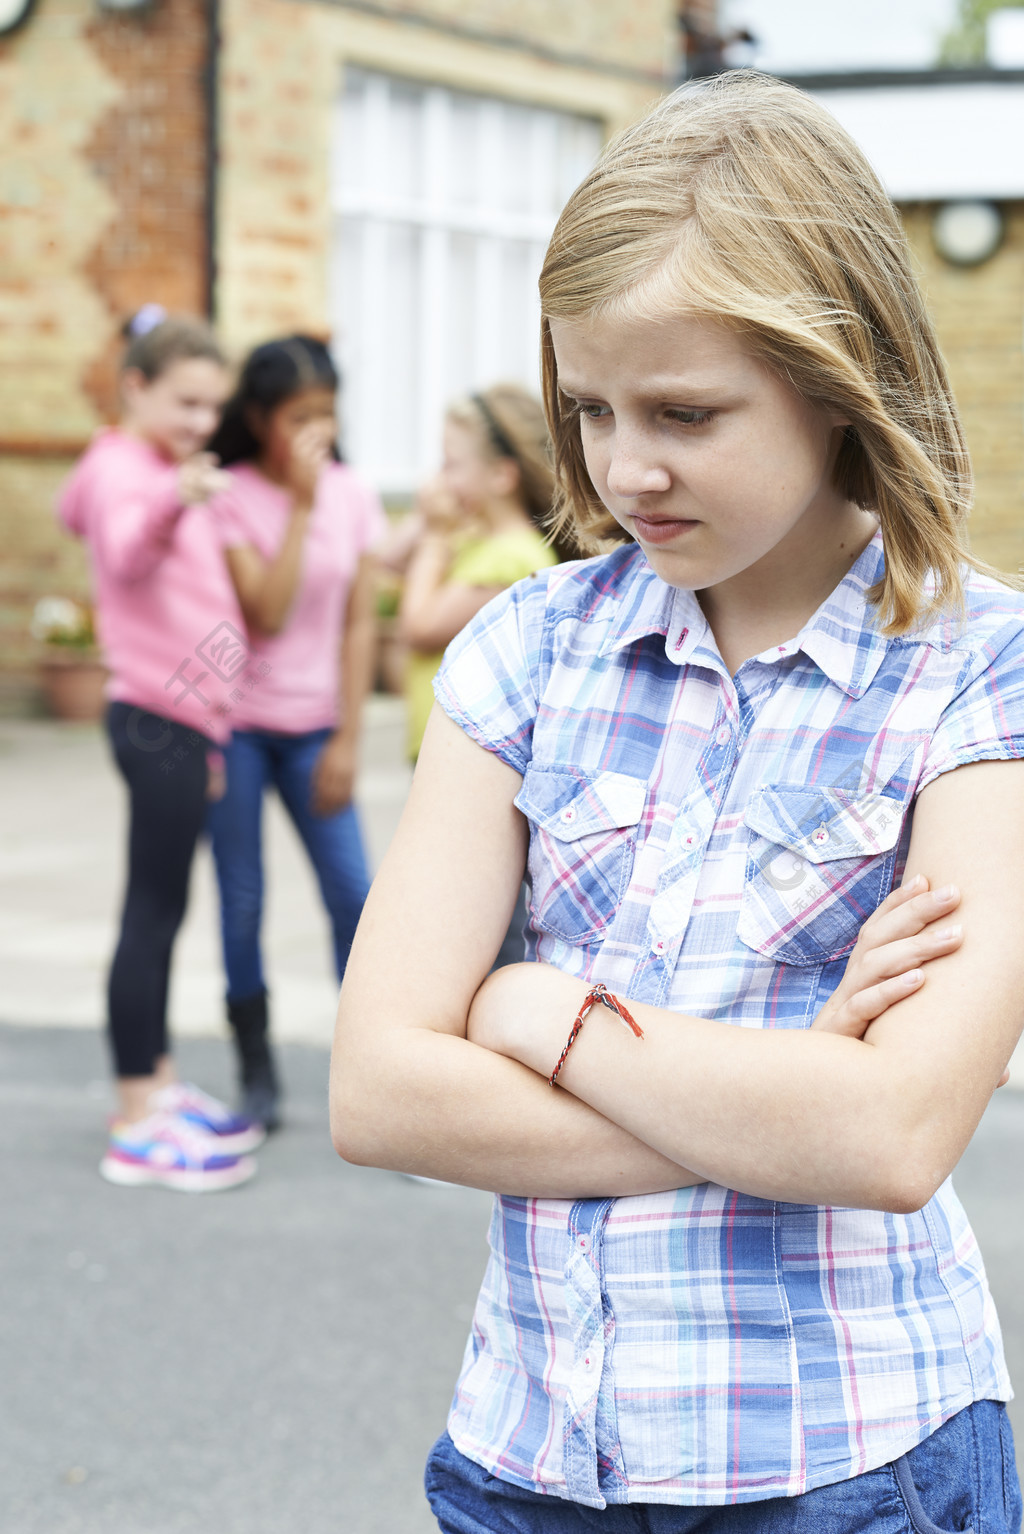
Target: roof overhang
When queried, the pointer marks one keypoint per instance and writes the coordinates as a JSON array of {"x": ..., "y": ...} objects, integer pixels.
[{"x": 937, "y": 136}]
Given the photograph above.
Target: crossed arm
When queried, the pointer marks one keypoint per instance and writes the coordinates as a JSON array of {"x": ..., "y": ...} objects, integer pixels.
[{"x": 438, "y": 1071}]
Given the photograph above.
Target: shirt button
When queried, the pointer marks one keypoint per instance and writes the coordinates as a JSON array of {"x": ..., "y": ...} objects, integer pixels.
[
  {"x": 689, "y": 839},
  {"x": 584, "y": 1244},
  {"x": 658, "y": 946},
  {"x": 820, "y": 836},
  {"x": 724, "y": 735},
  {"x": 569, "y": 814}
]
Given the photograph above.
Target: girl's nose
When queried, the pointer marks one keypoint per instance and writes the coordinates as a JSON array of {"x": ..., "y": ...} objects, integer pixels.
[{"x": 635, "y": 468}]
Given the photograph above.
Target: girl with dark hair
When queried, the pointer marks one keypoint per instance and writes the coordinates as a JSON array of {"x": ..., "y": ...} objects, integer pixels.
[
  {"x": 296, "y": 526},
  {"x": 165, "y": 613}
]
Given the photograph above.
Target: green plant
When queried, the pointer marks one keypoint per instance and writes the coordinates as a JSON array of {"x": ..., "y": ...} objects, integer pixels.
[
  {"x": 964, "y": 43},
  {"x": 64, "y": 624},
  {"x": 389, "y": 595}
]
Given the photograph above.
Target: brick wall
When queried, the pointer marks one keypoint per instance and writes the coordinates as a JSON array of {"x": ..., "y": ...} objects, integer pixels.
[
  {"x": 149, "y": 150},
  {"x": 103, "y": 209},
  {"x": 629, "y": 33},
  {"x": 979, "y": 315},
  {"x": 53, "y": 91},
  {"x": 282, "y": 75}
]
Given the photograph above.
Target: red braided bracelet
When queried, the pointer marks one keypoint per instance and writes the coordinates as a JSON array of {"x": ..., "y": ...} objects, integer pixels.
[{"x": 598, "y": 993}]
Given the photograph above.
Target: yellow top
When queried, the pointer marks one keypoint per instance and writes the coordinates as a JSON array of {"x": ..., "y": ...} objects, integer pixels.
[{"x": 498, "y": 560}]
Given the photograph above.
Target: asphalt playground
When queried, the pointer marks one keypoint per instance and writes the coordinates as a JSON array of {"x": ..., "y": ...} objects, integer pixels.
[{"x": 278, "y": 1358}]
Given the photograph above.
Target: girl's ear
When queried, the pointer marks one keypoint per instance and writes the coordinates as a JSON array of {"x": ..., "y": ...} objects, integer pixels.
[{"x": 133, "y": 383}]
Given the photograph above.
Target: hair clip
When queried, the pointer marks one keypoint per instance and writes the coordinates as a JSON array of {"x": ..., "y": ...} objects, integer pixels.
[{"x": 146, "y": 319}]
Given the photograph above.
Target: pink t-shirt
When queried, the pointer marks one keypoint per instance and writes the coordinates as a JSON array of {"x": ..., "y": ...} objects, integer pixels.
[
  {"x": 299, "y": 667},
  {"x": 166, "y": 612}
]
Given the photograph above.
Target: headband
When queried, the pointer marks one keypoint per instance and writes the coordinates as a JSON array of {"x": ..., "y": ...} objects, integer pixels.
[{"x": 500, "y": 439}]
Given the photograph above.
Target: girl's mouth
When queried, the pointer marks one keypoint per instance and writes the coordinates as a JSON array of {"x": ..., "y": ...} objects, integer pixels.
[{"x": 663, "y": 530}]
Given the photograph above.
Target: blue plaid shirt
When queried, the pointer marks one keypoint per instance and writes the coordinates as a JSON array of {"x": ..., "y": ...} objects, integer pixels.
[{"x": 712, "y": 845}]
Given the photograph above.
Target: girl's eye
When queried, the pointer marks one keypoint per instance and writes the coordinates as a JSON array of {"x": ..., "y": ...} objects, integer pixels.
[
  {"x": 690, "y": 417},
  {"x": 592, "y": 412}
]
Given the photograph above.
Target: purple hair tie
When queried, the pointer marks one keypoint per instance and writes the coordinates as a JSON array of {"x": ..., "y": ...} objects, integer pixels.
[{"x": 146, "y": 319}]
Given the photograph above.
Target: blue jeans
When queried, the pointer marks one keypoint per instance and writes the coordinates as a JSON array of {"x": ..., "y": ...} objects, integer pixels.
[
  {"x": 961, "y": 1478},
  {"x": 257, "y": 760}
]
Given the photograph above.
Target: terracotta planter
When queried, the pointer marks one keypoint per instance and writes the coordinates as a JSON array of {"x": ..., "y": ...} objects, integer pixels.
[{"x": 73, "y": 685}]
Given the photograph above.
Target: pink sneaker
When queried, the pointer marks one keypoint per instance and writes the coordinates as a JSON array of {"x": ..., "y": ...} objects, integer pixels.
[
  {"x": 235, "y": 1136},
  {"x": 170, "y": 1151}
]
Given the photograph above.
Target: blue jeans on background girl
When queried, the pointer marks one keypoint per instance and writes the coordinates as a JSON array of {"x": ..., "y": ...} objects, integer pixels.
[
  {"x": 256, "y": 761},
  {"x": 961, "y": 1478}
]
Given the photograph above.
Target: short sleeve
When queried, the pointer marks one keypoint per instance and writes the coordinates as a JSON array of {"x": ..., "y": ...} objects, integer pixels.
[
  {"x": 227, "y": 515},
  {"x": 365, "y": 510},
  {"x": 374, "y": 520},
  {"x": 499, "y": 561},
  {"x": 488, "y": 679},
  {"x": 985, "y": 719}
]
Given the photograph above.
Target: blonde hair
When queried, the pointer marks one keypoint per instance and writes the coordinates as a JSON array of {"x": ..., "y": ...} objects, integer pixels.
[
  {"x": 507, "y": 421},
  {"x": 743, "y": 200}
]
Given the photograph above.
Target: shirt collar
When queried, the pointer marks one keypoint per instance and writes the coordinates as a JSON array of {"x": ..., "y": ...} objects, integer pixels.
[
  {"x": 841, "y": 638},
  {"x": 645, "y": 608}
]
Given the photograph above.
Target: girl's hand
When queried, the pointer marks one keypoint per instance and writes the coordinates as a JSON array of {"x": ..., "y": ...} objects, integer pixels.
[
  {"x": 399, "y": 543},
  {"x": 334, "y": 776},
  {"x": 910, "y": 928},
  {"x": 310, "y": 450},
  {"x": 199, "y": 478},
  {"x": 216, "y": 777},
  {"x": 440, "y": 512}
]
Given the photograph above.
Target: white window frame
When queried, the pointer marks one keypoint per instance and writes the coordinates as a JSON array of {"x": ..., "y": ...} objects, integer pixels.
[{"x": 371, "y": 207}]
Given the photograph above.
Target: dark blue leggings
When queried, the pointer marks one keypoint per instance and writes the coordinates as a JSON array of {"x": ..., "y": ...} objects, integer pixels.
[
  {"x": 164, "y": 766},
  {"x": 256, "y": 761}
]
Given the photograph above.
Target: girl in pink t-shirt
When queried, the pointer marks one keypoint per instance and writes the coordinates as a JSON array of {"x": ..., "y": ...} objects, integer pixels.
[
  {"x": 296, "y": 525},
  {"x": 173, "y": 639}
]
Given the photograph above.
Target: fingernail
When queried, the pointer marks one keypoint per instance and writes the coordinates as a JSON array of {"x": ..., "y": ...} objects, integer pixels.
[
  {"x": 912, "y": 977},
  {"x": 915, "y": 883},
  {"x": 948, "y": 934},
  {"x": 947, "y": 892}
]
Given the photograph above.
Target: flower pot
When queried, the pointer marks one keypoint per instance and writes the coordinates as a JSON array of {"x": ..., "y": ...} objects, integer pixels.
[{"x": 73, "y": 686}]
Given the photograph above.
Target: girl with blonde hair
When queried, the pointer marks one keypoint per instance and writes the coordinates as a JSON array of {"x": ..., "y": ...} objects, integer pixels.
[
  {"x": 484, "y": 523},
  {"x": 759, "y": 757}
]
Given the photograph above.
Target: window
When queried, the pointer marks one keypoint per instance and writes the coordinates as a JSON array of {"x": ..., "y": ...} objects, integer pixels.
[{"x": 443, "y": 205}]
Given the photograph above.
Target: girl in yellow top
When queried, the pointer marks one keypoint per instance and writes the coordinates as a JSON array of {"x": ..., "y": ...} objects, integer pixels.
[{"x": 484, "y": 527}]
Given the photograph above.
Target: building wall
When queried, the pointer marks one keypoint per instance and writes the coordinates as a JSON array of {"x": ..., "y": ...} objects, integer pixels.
[
  {"x": 102, "y": 201},
  {"x": 979, "y": 315},
  {"x": 626, "y": 34},
  {"x": 282, "y": 75},
  {"x": 102, "y": 209}
]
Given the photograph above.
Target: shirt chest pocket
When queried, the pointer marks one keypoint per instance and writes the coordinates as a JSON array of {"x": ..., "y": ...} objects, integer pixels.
[
  {"x": 583, "y": 829},
  {"x": 820, "y": 861}
]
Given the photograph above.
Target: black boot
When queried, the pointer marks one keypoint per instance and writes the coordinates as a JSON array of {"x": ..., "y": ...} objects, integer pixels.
[{"x": 260, "y": 1093}]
